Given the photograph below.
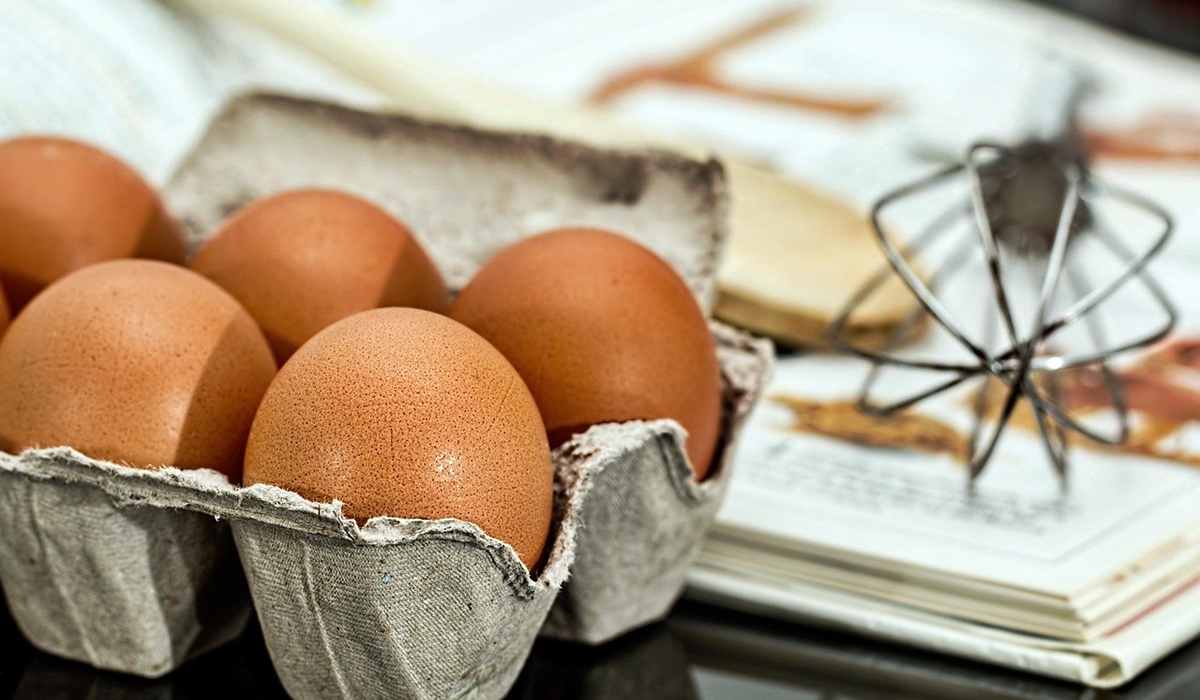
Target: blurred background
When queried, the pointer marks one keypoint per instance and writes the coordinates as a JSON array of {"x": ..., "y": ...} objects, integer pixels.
[{"x": 834, "y": 102}]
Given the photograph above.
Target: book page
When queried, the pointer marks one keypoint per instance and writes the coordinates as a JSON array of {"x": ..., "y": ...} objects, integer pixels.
[{"x": 910, "y": 508}]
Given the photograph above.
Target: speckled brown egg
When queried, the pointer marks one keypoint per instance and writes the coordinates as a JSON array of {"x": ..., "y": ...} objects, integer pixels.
[
  {"x": 301, "y": 260},
  {"x": 405, "y": 413},
  {"x": 65, "y": 205},
  {"x": 136, "y": 362},
  {"x": 602, "y": 330}
]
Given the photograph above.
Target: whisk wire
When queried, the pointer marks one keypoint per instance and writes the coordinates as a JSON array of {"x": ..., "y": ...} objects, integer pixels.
[{"x": 1025, "y": 365}]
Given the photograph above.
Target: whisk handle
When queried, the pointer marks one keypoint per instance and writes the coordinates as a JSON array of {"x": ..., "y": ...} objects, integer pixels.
[{"x": 1055, "y": 100}]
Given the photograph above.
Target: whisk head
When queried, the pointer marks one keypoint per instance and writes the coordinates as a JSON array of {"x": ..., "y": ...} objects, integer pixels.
[{"x": 1012, "y": 279}]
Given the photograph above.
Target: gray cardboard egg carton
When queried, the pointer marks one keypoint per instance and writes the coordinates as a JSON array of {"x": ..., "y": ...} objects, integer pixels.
[
  {"x": 136, "y": 571},
  {"x": 114, "y": 566}
]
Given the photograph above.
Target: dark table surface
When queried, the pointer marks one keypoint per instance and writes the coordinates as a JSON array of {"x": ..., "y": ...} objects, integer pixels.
[{"x": 698, "y": 653}]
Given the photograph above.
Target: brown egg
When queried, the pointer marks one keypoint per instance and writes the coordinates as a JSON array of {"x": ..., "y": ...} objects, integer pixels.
[
  {"x": 602, "y": 330},
  {"x": 65, "y": 205},
  {"x": 302, "y": 260},
  {"x": 138, "y": 362},
  {"x": 406, "y": 413}
]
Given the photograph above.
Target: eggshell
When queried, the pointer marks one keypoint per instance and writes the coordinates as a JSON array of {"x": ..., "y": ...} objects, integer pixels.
[
  {"x": 405, "y": 413},
  {"x": 301, "y": 260},
  {"x": 601, "y": 330},
  {"x": 65, "y": 205},
  {"x": 137, "y": 362}
]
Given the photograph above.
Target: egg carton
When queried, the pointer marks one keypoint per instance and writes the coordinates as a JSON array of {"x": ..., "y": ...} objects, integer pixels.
[
  {"x": 113, "y": 566},
  {"x": 120, "y": 567},
  {"x": 98, "y": 567}
]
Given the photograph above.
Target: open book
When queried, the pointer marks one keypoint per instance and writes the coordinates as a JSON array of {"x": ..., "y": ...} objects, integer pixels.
[{"x": 1093, "y": 586}]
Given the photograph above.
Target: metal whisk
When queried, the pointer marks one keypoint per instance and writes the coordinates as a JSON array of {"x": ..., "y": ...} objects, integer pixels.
[{"x": 1027, "y": 211}]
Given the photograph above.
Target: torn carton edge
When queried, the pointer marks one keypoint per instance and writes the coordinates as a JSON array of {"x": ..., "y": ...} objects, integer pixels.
[{"x": 179, "y": 499}]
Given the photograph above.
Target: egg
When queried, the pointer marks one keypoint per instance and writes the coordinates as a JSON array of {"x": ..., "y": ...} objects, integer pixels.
[
  {"x": 602, "y": 330},
  {"x": 137, "y": 362},
  {"x": 301, "y": 260},
  {"x": 4, "y": 315},
  {"x": 65, "y": 205},
  {"x": 405, "y": 413}
]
